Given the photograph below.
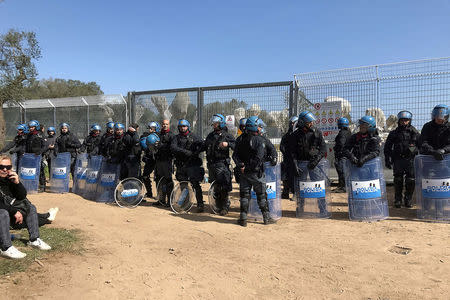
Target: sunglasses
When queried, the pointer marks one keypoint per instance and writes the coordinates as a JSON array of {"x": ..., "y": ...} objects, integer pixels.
[{"x": 7, "y": 167}]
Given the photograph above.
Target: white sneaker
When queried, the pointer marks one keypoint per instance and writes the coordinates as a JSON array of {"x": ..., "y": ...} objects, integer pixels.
[
  {"x": 52, "y": 211},
  {"x": 40, "y": 244},
  {"x": 12, "y": 252}
]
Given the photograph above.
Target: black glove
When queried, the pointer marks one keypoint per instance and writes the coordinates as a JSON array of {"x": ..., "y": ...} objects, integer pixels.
[
  {"x": 312, "y": 164},
  {"x": 353, "y": 160},
  {"x": 188, "y": 153},
  {"x": 360, "y": 163},
  {"x": 273, "y": 161},
  {"x": 439, "y": 154},
  {"x": 388, "y": 163}
]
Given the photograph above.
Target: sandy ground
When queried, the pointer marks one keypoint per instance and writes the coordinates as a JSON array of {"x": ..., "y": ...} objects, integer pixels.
[{"x": 149, "y": 252}]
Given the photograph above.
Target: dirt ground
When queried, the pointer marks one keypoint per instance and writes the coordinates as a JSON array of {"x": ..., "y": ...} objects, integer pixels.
[{"x": 149, "y": 252}]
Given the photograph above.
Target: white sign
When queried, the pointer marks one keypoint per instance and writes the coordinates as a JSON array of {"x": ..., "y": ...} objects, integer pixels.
[{"x": 327, "y": 114}]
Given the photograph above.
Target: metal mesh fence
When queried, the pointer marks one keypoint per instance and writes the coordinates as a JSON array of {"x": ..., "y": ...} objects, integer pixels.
[
  {"x": 168, "y": 104},
  {"x": 79, "y": 112},
  {"x": 381, "y": 90}
]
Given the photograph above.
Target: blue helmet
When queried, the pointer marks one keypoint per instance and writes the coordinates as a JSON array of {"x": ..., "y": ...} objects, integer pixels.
[
  {"x": 293, "y": 119},
  {"x": 343, "y": 123},
  {"x": 218, "y": 118},
  {"x": 96, "y": 127},
  {"x": 242, "y": 122},
  {"x": 369, "y": 120},
  {"x": 64, "y": 125},
  {"x": 119, "y": 126},
  {"x": 154, "y": 124},
  {"x": 183, "y": 122},
  {"x": 143, "y": 142},
  {"x": 404, "y": 114},
  {"x": 34, "y": 123},
  {"x": 110, "y": 125},
  {"x": 305, "y": 117},
  {"x": 21, "y": 127},
  {"x": 50, "y": 129},
  {"x": 252, "y": 124},
  {"x": 440, "y": 111},
  {"x": 152, "y": 139}
]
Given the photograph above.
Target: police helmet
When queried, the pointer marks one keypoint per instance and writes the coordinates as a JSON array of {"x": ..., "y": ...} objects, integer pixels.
[
  {"x": 369, "y": 120},
  {"x": 110, "y": 125},
  {"x": 50, "y": 129},
  {"x": 152, "y": 139},
  {"x": 218, "y": 118},
  {"x": 118, "y": 126},
  {"x": 305, "y": 117},
  {"x": 20, "y": 127},
  {"x": 252, "y": 124},
  {"x": 343, "y": 123},
  {"x": 155, "y": 125},
  {"x": 404, "y": 114},
  {"x": 96, "y": 127},
  {"x": 440, "y": 111},
  {"x": 34, "y": 123},
  {"x": 64, "y": 125},
  {"x": 184, "y": 122}
]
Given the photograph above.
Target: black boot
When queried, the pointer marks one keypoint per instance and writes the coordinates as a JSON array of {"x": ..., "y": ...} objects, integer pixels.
[
  {"x": 148, "y": 186},
  {"x": 398, "y": 185},
  {"x": 242, "y": 222},
  {"x": 267, "y": 219},
  {"x": 285, "y": 192},
  {"x": 409, "y": 190}
]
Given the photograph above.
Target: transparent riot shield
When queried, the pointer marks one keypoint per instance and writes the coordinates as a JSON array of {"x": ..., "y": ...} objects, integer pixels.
[
  {"x": 108, "y": 179},
  {"x": 163, "y": 190},
  {"x": 129, "y": 192},
  {"x": 59, "y": 173},
  {"x": 29, "y": 168},
  {"x": 273, "y": 194},
  {"x": 92, "y": 175},
  {"x": 212, "y": 197},
  {"x": 182, "y": 197},
  {"x": 366, "y": 189},
  {"x": 79, "y": 180},
  {"x": 312, "y": 190},
  {"x": 14, "y": 162},
  {"x": 433, "y": 188}
]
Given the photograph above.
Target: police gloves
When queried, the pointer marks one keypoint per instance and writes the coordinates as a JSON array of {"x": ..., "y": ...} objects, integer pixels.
[
  {"x": 388, "y": 163},
  {"x": 360, "y": 163},
  {"x": 438, "y": 154},
  {"x": 273, "y": 161},
  {"x": 353, "y": 160},
  {"x": 312, "y": 164}
]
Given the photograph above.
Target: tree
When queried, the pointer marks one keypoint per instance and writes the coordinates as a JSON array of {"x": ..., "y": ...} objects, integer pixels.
[
  {"x": 18, "y": 51},
  {"x": 60, "y": 88}
]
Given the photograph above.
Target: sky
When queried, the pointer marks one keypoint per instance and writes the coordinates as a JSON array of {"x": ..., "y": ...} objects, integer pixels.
[{"x": 150, "y": 45}]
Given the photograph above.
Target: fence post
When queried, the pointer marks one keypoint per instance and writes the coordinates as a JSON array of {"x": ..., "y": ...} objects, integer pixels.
[
  {"x": 200, "y": 111},
  {"x": 291, "y": 99},
  {"x": 54, "y": 111},
  {"x": 130, "y": 98},
  {"x": 377, "y": 92},
  {"x": 85, "y": 102}
]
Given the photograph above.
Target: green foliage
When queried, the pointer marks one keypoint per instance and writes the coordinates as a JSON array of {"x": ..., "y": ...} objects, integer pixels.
[
  {"x": 60, "y": 88},
  {"x": 18, "y": 50}
]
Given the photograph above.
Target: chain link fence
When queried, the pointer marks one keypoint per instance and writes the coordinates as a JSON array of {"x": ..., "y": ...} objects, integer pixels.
[{"x": 79, "y": 112}]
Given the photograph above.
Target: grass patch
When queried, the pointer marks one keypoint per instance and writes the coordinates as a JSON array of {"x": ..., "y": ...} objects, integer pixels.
[{"x": 61, "y": 240}]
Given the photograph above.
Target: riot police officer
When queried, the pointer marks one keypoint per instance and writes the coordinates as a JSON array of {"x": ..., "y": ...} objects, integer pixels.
[
  {"x": 242, "y": 123},
  {"x": 435, "y": 136},
  {"x": 339, "y": 143},
  {"x": 217, "y": 145},
  {"x": 67, "y": 142},
  {"x": 271, "y": 155},
  {"x": 49, "y": 142},
  {"x": 400, "y": 149},
  {"x": 35, "y": 144},
  {"x": 149, "y": 158},
  {"x": 287, "y": 173},
  {"x": 17, "y": 145},
  {"x": 164, "y": 164},
  {"x": 365, "y": 144},
  {"x": 131, "y": 165},
  {"x": 92, "y": 142},
  {"x": 249, "y": 159},
  {"x": 186, "y": 148},
  {"x": 102, "y": 147}
]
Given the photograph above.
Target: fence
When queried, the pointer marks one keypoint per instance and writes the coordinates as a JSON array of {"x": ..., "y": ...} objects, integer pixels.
[
  {"x": 271, "y": 101},
  {"x": 79, "y": 112},
  {"x": 381, "y": 90}
]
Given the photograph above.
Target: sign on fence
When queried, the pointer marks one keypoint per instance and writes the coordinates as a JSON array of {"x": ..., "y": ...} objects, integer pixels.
[{"x": 327, "y": 114}]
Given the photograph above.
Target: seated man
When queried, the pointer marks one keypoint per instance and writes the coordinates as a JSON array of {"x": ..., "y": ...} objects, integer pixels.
[{"x": 14, "y": 206}]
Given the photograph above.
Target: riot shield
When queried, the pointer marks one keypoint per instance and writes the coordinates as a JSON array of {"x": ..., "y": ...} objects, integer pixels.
[
  {"x": 212, "y": 197},
  {"x": 433, "y": 187},
  {"x": 366, "y": 189},
  {"x": 182, "y": 197},
  {"x": 129, "y": 192},
  {"x": 79, "y": 180},
  {"x": 273, "y": 193},
  {"x": 59, "y": 173},
  {"x": 312, "y": 190},
  {"x": 29, "y": 168},
  {"x": 108, "y": 179},
  {"x": 92, "y": 175},
  {"x": 163, "y": 190}
]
